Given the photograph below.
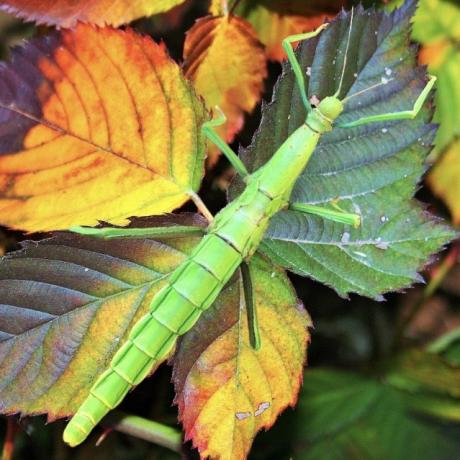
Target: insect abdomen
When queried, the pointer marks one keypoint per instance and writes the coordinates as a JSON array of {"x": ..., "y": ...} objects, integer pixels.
[{"x": 192, "y": 288}]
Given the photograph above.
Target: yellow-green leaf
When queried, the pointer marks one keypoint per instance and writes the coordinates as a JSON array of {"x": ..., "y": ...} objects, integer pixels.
[
  {"x": 444, "y": 179},
  {"x": 226, "y": 390}
]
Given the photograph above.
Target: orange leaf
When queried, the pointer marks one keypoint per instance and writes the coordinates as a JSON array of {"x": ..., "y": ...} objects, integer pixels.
[
  {"x": 272, "y": 27},
  {"x": 444, "y": 179},
  {"x": 65, "y": 13},
  {"x": 95, "y": 124},
  {"x": 227, "y": 391},
  {"x": 226, "y": 62}
]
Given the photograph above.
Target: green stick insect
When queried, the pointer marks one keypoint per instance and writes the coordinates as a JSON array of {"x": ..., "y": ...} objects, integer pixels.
[{"x": 231, "y": 238}]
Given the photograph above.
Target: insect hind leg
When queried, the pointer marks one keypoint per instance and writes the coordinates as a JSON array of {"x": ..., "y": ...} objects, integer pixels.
[{"x": 393, "y": 116}]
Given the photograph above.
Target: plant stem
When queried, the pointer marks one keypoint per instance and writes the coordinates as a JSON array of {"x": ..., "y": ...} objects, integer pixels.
[
  {"x": 8, "y": 445},
  {"x": 142, "y": 428},
  {"x": 437, "y": 276},
  {"x": 202, "y": 208}
]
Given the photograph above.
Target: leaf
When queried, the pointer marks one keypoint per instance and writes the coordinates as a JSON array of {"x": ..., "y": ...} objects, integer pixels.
[
  {"x": 371, "y": 170},
  {"x": 274, "y": 24},
  {"x": 436, "y": 27},
  {"x": 66, "y": 13},
  {"x": 226, "y": 391},
  {"x": 67, "y": 304},
  {"x": 227, "y": 65},
  {"x": 95, "y": 124},
  {"x": 444, "y": 179},
  {"x": 343, "y": 415}
]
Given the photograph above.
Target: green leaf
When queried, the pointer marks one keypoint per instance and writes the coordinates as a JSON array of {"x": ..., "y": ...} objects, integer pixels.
[
  {"x": 350, "y": 416},
  {"x": 372, "y": 170},
  {"x": 436, "y": 27},
  {"x": 66, "y": 305}
]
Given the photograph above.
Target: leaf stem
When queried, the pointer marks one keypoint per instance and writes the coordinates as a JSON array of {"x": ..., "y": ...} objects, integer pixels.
[
  {"x": 142, "y": 428},
  {"x": 438, "y": 274},
  {"x": 201, "y": 206},
  {"x": 8, "y": 445}
]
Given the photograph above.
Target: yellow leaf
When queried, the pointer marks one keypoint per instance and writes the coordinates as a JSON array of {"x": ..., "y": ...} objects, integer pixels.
[
  {"x": 226, "y": 62},
  {"x": 95, "y": 124},
  {"x": 65, "y": 13},
  {"x": 226, "y": 390},
  {"x": 444, "y": 179}
]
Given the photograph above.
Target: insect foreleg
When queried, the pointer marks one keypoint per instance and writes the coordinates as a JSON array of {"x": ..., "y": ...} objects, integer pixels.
[
  {"x": 251, "y": 309},
  {"x": 287, "y": 46},
  {"x": 403, "y": 115},
  {"x": 330, "y": 214},
  {"x": 232, "y": 157},
  {"x": 148, "y": 232}
]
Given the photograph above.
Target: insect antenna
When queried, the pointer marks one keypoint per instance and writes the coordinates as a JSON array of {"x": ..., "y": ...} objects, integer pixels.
[
  {"x": 365, "y": 90},
  {"x": 346, "y": 54}
]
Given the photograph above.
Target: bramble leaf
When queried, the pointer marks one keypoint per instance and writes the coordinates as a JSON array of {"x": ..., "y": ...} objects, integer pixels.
[
  {"x": 226, "y": 391},
  {"x": 368, "y": 419},
  {"x": 227, "y": 65},
  {"x": 95, "y": 124},
  {"x": 66, "y": 13},
  {"x": 66, "y": 305},
  {"x": 371, "y": 170}
]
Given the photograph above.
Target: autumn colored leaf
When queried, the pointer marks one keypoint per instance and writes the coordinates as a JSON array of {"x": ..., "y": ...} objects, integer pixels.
[
  {"x": 67, "y": 304},
  {"x": 226, "y": 391},
  {"x": 65, "y": 13},
  {"x": 436, "y": 27},
  {"x": 273, "y": 25},
  {"x": 444, "y": 180},
  {"x": 95, "y": 124},
  {"x": 226, "y": 62}
]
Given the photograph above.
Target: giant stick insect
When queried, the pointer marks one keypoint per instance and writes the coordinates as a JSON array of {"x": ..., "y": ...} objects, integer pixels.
[{"x": 231, "y": 238}]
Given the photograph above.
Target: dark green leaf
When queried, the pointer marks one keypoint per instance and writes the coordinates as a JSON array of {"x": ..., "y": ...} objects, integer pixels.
[
  {"x": 372, "y": 170},
  {"x": 349, "y": 416},
  {"x": 66, "y": 305}
]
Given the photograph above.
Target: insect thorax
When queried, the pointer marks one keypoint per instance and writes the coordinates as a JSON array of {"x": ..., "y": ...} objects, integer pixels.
[{"x": 321, "y": 118}]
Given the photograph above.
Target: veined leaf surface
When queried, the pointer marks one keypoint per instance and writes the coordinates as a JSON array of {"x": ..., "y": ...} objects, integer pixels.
[
  {"x": 226, "y": 62},
  {"x": 66, "y": 305},
  {"x": 95, "y": 124},
  {"x": 65, "y": 13},
  {"x": 227, "y": 391},
  {"x": 371, "y": 170},
  {"x": 345, "y": 413}
]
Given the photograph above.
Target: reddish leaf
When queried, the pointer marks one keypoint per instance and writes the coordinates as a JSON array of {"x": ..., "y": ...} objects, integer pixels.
[{"x": 65, "y": 13}]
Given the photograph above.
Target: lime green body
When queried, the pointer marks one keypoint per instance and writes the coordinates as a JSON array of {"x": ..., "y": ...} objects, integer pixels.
[{"x": 233, "y": 236}]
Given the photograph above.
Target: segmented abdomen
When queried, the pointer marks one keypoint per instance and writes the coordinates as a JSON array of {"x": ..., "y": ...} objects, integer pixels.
[{"x": 192, "y": 288}]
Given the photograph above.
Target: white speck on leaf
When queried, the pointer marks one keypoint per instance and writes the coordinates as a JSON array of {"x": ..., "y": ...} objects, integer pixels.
[
  {"x": 242, "y": 415},
  {"x": 385, "y": 80},
  {"x": 384, "y": 219},
  {"x": 384, "y": 130},
  {"x": 382, "y": 245},
  {"x": 345, "y": 237},
  {"x": 360, "y": 254},
  {"x": 262, "y": 408},
  {"x": 308, "y": 71},
  {"x": 388, "y": 71}
]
